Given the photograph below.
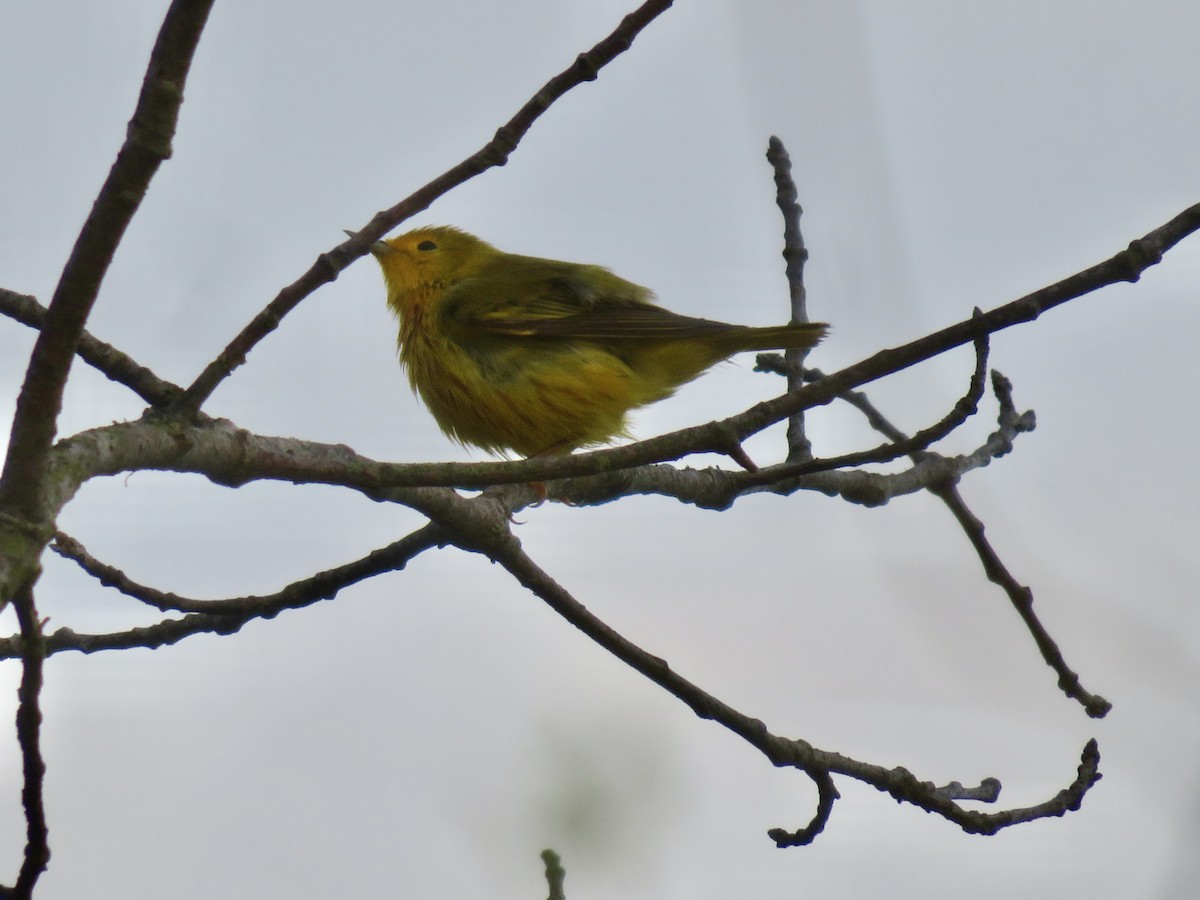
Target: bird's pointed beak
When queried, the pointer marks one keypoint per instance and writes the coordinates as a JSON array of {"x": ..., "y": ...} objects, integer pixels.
[{"x": 378, "y": 248}]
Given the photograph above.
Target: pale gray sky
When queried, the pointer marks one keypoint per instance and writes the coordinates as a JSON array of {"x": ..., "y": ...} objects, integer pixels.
[{"x": 427, "y": 734}]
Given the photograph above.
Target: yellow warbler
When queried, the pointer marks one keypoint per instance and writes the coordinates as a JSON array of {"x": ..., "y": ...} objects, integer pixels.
[{"x": 540, "y": 356}]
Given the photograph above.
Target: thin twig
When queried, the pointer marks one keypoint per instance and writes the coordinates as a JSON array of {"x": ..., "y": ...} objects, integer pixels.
[
  {"x": 719, "y": 489},
  {"x": 555, "y": 875},
  {"x": 1019, "y": 595},
  {"x": 216, "y": 616},
  {"x": 899, "y": 444},
  {"x": 795, "y": 255},
  {"x": 323, "y": 585},
  {"x": 29, "y": 727},
  {"x": 818, "y": 764},
  {"x": 105, "y": 358},
  {"x": 1021, "y": 598},
  {"x": 1127, "y": 265}
]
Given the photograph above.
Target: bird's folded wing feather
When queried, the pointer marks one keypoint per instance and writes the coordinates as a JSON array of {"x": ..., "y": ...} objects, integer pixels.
[{"x": 566, "y": 308}]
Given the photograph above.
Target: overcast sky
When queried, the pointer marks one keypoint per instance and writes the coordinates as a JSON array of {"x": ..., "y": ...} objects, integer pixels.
[{"x": 428, "y": 733}]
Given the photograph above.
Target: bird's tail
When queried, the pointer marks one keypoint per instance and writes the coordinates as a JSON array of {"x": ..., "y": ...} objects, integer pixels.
[{"x": 779, "y": 337}]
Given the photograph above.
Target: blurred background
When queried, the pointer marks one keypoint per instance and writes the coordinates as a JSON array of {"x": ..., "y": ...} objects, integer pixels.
[{"x": 426, "y": 734}]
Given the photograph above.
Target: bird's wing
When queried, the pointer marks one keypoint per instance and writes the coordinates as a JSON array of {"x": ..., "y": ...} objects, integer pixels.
[
  {"x": 592, "y": 305},
  {"x": 605, "y": 323}
]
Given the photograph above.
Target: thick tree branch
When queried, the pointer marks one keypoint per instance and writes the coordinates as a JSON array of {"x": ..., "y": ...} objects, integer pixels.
[
  {"x": 147, "y": 144},
  {"x": 102, "y": 451},
  {"x": 231, "y": 456}
]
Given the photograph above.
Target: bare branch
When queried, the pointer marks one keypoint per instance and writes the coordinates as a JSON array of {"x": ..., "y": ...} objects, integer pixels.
[
  {"x": 903, "y": 786},
  {"x": 719, "y": 489},
  {"x": 29, "y": 728},
  {"x": 714, "y": 436},
  {"x": 323, "y": 585},
  {"x": 216, "y": 616},
  {"x": 1020, "y": 595},
  {"x": 717, "y": 436},
  {"x": 504, "y": 549},
  {"x": 494, "y": 153},
  {"x": 105, "y": 358},
  {"x": 1126, "y": 265},
  {"x": 488, "y": 514},
  {"x": 150, "y": 637},
  {"x": 231, "y": 456}
]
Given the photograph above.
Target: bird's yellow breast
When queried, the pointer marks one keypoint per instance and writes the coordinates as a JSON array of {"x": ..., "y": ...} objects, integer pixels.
[{"x": 500, "y": 395}]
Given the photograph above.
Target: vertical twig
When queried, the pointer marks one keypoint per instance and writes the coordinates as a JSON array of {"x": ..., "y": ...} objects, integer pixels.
[
  {"x": 29, "y": 728},
  {"x": 795, "y": 255},
  {"x": 555, "y": 874}
]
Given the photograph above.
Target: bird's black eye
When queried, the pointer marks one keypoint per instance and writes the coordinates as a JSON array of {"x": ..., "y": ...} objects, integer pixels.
[{"x": 426, "y": 246}]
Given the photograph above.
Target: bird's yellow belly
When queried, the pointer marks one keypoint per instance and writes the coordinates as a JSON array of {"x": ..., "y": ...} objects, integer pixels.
[{"x": 552, "y": 398}]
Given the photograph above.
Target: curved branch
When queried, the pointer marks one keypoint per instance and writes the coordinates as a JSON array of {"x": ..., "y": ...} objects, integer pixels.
[
  {"x": 216, "y": 616},
  {"x": 504, "y": 549},
  {"x": 494, "y": 153},
  {"x": 827, "y": 794},
  {"x": 324, "y": 585}
]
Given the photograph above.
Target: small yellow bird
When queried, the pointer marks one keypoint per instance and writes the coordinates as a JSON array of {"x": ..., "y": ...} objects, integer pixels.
[{"x": 539, "y": 356}]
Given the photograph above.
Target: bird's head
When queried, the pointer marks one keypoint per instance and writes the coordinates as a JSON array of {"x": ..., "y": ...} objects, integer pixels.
[{"x": 434, "y": 257}]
